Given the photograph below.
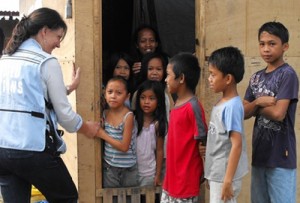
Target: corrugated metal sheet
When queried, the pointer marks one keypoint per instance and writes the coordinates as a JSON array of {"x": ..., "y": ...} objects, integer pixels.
[{"x": 9, "y": 13}]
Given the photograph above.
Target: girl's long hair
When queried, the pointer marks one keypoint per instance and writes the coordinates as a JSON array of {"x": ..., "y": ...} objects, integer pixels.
[
  {"x": 114, "y": 59},
  {"x": 31, "y": 25},
  {"x": 159, "y": 114}
]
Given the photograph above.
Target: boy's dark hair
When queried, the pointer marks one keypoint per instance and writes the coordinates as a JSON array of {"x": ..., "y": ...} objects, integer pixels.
[
  {"x": 229, "y": 60},
  {"x": 188, "y": 65},
  {"x": 160, "y": 113},
  {"x": 145, "y": 62},
  {"x": 121, "y": 79},
  {"x": 277, "y": 29}
]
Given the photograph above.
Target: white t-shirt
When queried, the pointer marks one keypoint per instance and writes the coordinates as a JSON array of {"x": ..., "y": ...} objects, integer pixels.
[{"x": 226, "y": 117}]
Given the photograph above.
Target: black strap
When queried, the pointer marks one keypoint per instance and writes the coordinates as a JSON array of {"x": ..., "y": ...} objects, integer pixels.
[
  {"x": 50, "y": 123},
  {"x": 48, "y": 104},
  {"x": 33, "y": 113}
]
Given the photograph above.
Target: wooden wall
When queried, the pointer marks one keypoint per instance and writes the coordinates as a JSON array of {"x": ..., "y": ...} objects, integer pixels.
[{"x": 236, "y": 23}]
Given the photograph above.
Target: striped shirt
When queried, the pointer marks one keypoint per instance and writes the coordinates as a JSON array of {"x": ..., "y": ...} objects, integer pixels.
[{"x": 116, "y": 157}]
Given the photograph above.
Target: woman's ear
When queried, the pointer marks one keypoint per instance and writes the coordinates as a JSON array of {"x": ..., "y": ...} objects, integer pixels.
[{"x": 42, "y": 33}]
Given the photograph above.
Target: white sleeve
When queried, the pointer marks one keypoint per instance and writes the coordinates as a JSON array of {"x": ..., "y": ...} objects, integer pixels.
[{"x": 55, "y": 91}]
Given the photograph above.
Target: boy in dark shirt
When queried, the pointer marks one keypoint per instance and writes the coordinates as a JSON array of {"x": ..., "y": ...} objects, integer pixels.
[{"x": 272, "y": 97}]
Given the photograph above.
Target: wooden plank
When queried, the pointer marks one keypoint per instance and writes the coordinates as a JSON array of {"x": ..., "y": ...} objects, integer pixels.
[
  {"x": 150, "y": 194},
  {"x": 225, "y": 24},
  {"x": 135, "y": 194},
  {"x": 107, "y": 196},
  {"x": 87, "y": 55},
  {"x": 121, "y": 193},
  {"x": 97, "y": 21},
  {"x": 200, "y": 15}
]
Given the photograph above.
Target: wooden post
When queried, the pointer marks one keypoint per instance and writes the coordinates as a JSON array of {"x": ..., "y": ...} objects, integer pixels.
[
  {"x": 88, "y": 47},
  {"x": 200, "y": 53}
]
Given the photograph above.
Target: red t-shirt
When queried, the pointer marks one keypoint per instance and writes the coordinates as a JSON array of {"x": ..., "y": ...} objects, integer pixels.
[{"x": 184, "y": 163}]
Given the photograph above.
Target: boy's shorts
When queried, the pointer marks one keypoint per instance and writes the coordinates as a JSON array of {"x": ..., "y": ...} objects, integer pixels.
[
  {"x": 165, "y": 198},
  {"x": 215, "y": 191}
]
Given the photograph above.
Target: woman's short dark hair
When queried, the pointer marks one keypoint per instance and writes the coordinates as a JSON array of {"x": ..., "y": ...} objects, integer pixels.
[{"x": 134, "y": 41}]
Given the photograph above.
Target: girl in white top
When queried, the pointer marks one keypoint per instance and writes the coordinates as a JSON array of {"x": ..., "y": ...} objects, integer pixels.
[
  {"x": 154, "y": 67},
  {"x": 152, "y": 124}
]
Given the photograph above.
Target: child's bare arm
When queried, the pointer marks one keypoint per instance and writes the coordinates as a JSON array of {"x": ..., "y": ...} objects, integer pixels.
[
  {"x": 265, "y": 101},
  {"x": 202, "y": 150},
  {"x": 159, "y": 160},
  {"x": 233, "y": 160},
  {"x": 122, "y": 145},
  {"x": 251, "y": 108},
  {"x": 276, "y": 112}
]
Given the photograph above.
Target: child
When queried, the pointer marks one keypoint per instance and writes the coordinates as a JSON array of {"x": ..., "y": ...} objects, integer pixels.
[
  {"x": 272, "y": 97},
  {"x": 119, "y": 167},
  {"x": 145, "y": 40},
  {"x": 120, "y": 65},
  {"x": 186, "y": 127},
  {"x": 154, "y": 68},
  {"x": 152, "y": 124},
  {"x": 226, "y": 157}
]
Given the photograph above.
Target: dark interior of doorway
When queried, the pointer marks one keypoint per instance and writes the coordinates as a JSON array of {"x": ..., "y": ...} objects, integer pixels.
[
  {"x": 117, "y": 24},
  {"x": 116, "y": 28},
  {"x": 174, "y": 20}
]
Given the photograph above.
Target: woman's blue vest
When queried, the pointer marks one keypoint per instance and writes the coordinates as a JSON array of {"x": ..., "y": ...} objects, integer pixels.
[{"x": 22, "y": 104}]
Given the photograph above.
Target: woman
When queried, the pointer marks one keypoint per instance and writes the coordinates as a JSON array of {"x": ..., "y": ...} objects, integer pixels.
[
  {"x": 32, "y": 100},
  {"x": 145, "y": 40}
]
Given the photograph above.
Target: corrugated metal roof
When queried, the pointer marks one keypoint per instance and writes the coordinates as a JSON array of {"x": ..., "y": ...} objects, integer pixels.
[{"x": 9, "y": 13}]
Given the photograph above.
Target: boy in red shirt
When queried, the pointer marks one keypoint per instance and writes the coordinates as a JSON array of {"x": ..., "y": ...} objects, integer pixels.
[{"x": 187, "y": 127}]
